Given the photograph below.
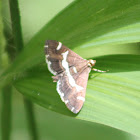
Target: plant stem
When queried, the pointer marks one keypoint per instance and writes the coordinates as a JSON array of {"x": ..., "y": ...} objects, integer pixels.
[
  {"x": 18, "y": 40},
  {"x": 16, "y": 26},
  {"x": 6, "y": 112},
  {"x": 7, "y": 89},
  {"x": 31, "y": 119}
]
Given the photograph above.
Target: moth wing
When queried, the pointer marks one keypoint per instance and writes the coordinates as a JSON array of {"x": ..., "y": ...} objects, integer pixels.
[
  {"x": 71, "y": 73},
  {"x": 54, "y": 55},
  {"x": 74, "y": 97}
]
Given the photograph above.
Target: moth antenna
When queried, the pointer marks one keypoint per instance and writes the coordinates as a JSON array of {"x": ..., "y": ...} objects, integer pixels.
[{"x": 98, "y": 70}]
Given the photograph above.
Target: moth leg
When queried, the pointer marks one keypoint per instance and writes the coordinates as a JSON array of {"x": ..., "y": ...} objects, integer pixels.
[
  {"x": 99, "y": 70},
  {"x": 55, "y": 78}
]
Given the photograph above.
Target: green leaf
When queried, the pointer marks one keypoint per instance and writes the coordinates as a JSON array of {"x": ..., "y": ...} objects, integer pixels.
[
  {"x": 112, "y": 98},
  {"x": 85, "y": 23},
  {"x": 51, "y": 125}
]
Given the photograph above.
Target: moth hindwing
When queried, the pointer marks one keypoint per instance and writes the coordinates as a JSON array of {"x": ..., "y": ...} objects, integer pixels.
[{"x": 70, "y": 72}]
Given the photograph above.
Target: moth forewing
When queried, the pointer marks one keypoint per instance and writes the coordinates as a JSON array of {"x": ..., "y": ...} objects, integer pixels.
[{"x": 71, "y": 73}]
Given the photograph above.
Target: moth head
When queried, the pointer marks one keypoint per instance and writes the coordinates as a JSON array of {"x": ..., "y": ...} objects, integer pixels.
[{"x": 91, "y": 62}]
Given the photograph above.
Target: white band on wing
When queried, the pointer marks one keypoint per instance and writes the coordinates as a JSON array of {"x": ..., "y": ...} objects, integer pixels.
[
  {"x": 66, "y": 66},
  {"x": 59, "y": 46}
]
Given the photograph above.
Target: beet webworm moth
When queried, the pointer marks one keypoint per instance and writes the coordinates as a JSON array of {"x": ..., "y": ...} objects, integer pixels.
[{"x": 71, "y": 73}]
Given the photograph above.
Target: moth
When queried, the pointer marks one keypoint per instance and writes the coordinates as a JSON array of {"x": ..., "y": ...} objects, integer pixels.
[{"x": 70, "y": 72}]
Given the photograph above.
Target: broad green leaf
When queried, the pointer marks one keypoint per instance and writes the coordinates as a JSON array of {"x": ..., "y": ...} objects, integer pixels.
[
  {"x": 112, "y": 98},
  {"x": 84, "y": 23},
  {"x": 54, "y": 126},
  {"x": 89, "y": 52},
  {"x": 126, "y": 34}
]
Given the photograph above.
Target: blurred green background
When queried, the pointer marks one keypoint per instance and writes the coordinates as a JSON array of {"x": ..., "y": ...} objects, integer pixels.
[{"x": 51, "y": 125}]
